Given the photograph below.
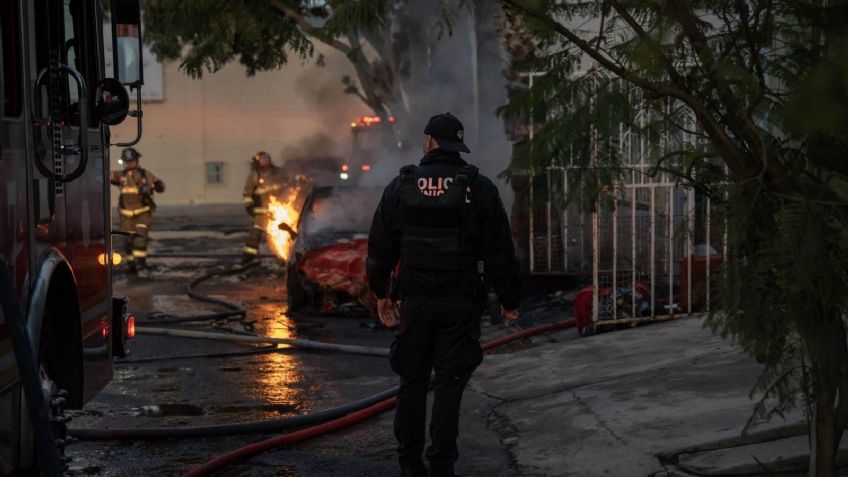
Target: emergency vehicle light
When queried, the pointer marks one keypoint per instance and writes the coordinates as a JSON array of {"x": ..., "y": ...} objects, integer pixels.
[
  {"x": 366, "y": 167},
  {"x": 130, "y": 325},
  {"x": 344, "y": 176},
  {"x": 345, "y": 167}
]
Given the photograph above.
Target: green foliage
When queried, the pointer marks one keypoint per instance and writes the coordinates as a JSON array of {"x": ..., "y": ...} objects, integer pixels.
[
  {"x": 760, "y": 89},
  {"x": 262, "y": 35}
]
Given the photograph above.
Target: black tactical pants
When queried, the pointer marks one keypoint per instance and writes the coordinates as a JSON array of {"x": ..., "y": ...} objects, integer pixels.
[{"x": 440, "y": 334}]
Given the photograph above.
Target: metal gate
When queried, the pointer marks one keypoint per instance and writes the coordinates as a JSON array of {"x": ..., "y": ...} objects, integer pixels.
[{"x": 652, "y": 246}]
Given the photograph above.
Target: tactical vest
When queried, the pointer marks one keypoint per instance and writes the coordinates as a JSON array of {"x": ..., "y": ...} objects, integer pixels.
[{"x": 434, "y": 227}]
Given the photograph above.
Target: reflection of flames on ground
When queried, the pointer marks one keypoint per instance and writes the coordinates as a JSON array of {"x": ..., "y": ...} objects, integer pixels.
[{"x": 283, "y": 213}]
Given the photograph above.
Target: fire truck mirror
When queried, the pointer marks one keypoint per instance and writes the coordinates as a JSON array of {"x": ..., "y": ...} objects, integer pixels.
[
  {"x": 126, "y": 42},
  {"x": 113, "y": 102}
]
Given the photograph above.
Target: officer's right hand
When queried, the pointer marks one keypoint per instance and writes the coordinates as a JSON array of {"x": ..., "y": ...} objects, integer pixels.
[
  {"x": 388, "y": 312},
  {"x": 249, "y": 209},
  {"x": 509, "y": 315}
]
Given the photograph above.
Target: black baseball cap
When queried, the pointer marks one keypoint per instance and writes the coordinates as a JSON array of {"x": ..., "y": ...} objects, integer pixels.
[{"x": 447, "y": 131}]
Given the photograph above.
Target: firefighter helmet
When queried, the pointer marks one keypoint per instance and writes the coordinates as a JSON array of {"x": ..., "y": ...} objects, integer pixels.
[
  {"x": 262, "y": 159},
  {"x": 130, "y": 154}
]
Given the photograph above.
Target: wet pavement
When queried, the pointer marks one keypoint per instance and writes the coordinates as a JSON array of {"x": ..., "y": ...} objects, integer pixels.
[{"x": 151, "y": 390}]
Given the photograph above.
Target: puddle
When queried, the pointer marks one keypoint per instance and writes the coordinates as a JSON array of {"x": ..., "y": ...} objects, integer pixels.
[{"x": 161, "y": 410}]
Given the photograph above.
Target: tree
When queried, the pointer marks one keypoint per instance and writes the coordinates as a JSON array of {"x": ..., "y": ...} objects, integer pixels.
[
  {"x": 766, "y": 83},
  {"x": 206, "y": 35},
  {"x": 388, "y": 43}
]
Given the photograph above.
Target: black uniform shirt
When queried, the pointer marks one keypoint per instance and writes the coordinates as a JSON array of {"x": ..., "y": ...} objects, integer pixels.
[{"x": 487, "y": 232}]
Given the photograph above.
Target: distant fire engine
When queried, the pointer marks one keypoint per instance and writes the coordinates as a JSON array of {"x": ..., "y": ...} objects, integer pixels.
[
  {"x": 55, "y": 232},
  {"x": 370, "y": 135}
]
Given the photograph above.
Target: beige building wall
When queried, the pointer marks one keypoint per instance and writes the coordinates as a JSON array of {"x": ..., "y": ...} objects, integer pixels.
[{"x": 226, "y": 117}]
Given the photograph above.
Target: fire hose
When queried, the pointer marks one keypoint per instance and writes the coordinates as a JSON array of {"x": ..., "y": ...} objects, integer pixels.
[
  {"x": 236, "y": 312},
  {"x": 298, "y": 436},
  {"x": 321, "y": 422},
  {"x": 250, "y": 427},
  {"x": 295, "y": 342}
]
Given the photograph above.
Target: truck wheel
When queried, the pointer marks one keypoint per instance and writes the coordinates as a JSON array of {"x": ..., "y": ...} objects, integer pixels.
[{"x": 55, "y": 398}]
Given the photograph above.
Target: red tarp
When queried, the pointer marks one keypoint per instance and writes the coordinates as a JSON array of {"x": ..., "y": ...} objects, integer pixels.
[{"x": 340, "y": 267}]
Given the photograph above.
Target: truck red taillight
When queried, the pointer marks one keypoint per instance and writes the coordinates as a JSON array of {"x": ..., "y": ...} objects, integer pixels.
[{"x": 130, "y": 326}]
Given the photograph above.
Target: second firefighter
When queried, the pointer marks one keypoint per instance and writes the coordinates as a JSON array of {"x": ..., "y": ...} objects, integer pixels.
[
  {"x": 135, "y": 206},
  {"x": 257, "y": 196}
]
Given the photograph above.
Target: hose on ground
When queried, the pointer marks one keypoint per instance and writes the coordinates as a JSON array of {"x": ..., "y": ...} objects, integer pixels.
[
  {"x": 208, "y": 299},
  {"x": 202, "y": 255},
  {"x": 353, "y": 418},
  {"x": 236, "y": 311},
  {"x": 295, "y": 342},
  {"x": 250, "y": 427},
  {"x": 229, "y": 354},
  {"x": 28, "y": 370},
  {"x": 161, "y": 318}
]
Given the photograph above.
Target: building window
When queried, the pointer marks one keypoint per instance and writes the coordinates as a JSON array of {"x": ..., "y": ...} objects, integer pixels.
[{"x": 214, "y": 172}]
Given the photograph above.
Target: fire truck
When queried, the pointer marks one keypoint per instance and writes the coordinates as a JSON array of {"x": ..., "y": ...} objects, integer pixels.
[
  {"x": 60, "y": 326},
  {"x": 370, "y": 136}
]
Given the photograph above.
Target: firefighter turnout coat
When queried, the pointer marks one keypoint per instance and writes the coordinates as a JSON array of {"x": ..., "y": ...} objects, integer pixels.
[
  {"x": 258, "y": 188},
  {"x": 135, "y": 207}
]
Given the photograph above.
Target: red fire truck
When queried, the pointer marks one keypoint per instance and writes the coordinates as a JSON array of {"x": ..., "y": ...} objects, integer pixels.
[
  {"x": 370, "y": 137},
  {"x": 60, "y": 326}
]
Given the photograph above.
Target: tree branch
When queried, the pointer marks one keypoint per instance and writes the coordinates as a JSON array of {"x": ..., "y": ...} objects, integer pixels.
[
  {"x": 729, "y": 149},
  {"x": 310, "y": 30}
]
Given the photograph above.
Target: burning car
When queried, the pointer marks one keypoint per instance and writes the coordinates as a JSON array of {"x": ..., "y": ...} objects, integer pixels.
[{"x": 326, "y": 265}]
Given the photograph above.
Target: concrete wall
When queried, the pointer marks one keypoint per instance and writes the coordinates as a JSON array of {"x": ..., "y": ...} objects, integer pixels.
[{"x": 227, "y": 117}]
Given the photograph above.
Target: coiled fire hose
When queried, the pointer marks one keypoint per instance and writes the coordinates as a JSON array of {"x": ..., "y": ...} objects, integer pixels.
[
  {"x": 298, "y": 436},
  {"x": 236, "y": 311}
]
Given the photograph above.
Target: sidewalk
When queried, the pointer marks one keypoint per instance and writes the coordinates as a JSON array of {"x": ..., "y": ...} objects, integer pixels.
[{"x": 606, "y": 405}]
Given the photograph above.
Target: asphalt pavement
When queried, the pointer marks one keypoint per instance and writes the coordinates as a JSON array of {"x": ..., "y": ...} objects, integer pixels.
[{"x": 552, "y": 405}]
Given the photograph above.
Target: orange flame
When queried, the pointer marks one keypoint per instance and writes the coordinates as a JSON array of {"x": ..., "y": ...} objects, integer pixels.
[{"x": 282, "y": 212}]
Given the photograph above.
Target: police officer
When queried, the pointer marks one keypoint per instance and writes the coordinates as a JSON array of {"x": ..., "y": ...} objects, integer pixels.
[
  {"x": 445, "y": 224},
  {"x": 257, "y": 195},
  {"x": 135, "y": 205}
]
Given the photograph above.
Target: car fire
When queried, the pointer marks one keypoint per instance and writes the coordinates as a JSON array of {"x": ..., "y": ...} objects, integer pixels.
[{"x": 282, "y": 213}]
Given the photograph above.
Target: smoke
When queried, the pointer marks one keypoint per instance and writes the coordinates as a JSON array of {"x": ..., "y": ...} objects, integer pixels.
[
  {"x": 344, "y": 210},
  {"x": 317, "y": 145},
  {"x": 461, "y": 73}
]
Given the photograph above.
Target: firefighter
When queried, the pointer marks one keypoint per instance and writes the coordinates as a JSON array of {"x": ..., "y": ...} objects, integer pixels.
[
  {"x": 135, "y": 205},
  {"x": 257, "y": 193},
  {"x": 445, "y": 225}
]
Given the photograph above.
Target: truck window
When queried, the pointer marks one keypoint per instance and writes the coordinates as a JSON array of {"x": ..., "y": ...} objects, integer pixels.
[
  {"x": 11, "y": 59},
  {"x": 68, "y": 36},
  {"x": 79, "y": 51}
]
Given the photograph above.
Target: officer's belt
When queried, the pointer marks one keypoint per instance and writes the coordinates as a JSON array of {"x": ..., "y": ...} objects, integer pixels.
[
  {"x": 134, "y": 212},
  {"x": 129, "y": 190}
]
